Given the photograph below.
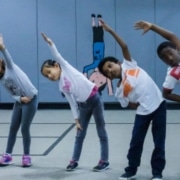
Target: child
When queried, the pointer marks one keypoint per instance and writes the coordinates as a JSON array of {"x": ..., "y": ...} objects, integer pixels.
[
  {"x": 24, "y": 93},
  {"x": 136, "y": 89},
  {"x": 82, "y": 95},
  {"x": 169, "y": 53}
]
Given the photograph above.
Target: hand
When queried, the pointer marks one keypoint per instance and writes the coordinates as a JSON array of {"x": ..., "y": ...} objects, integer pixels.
[
  {"x": 2, "y": 46},
  {"x": 104, "y": 25},
  {"x": 48, "y": 40},
  {"x": 78, "y": 126},
  {"x": 146, "y": 26},
  {"x": 25, "y": 99}
]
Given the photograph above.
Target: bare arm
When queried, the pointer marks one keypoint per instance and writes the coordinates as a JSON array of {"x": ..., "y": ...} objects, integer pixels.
[
  {"x": 170, "y": 96},
  {"x": 119, "y": 40},
  {"x": 146, "y": 26}
]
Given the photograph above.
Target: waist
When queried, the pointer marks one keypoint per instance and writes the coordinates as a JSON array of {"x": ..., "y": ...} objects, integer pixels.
[{"x": 93, "y": 92}]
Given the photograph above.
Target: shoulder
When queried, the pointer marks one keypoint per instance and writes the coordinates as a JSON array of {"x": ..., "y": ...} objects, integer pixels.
[{"x": 174, "y": 72}]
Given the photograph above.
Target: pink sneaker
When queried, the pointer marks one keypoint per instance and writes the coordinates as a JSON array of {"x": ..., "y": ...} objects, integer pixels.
[
  {"x": 6, "y": 159},
  {"x": 26, "y": 161}
]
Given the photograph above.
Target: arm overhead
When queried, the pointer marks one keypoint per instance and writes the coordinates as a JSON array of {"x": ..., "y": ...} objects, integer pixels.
[
  {"x": 118, "y": 39},
  {"x": 146, "y": 26}
]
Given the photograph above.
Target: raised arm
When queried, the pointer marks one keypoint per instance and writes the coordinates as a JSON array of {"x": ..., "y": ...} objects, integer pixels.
[
  {"x": 8, "y": 59},
  {"x": 119, "y": 40},
  {"x": 146, "y": 26},
  {"x": 56, "y": 54}
]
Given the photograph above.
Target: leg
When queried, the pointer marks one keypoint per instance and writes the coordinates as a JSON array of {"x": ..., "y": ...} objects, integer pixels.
[
  {"x": 98, "y": 113},
  {"x": 28, "y": 112},
  {"x": 136, "y": 145},
  {"x": 84, "y": 118},
  {"x": 14, "y": 127},
  {"x": 159, "y": 133}
]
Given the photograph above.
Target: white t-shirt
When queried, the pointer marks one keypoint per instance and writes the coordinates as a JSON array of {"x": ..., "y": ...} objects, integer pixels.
[
  {"x": 138, "y": 87},
  {"x": 172, "y": 77},
  {"x": 75, "y": 86}
]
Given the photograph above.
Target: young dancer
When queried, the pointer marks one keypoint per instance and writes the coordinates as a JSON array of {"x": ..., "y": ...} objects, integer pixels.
[
  {"x": 24, "y": 93},
  {"x": 169, "y": 53},
  {"x": 84, "y": 101},
  {"x": 137, "y": 89}
]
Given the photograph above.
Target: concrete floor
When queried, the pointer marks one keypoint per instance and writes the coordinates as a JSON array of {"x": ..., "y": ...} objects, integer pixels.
[{"x": 53, "y": 135}]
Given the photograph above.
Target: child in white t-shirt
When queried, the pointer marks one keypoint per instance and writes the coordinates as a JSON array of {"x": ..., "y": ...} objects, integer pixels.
[
  {"x": 169, "y": 53},
  {"x": 84, "y": 101},
  {"x": 136, "y": 89}
]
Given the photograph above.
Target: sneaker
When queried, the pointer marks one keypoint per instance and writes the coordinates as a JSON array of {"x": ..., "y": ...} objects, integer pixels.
[
  {"x": 102, "y": 165},
  {"x": 6, "y": 159},
  {"x": 72, "y": 166},
  {"x": 26, "y": 161},
  {"x": 127, "y": 176}
]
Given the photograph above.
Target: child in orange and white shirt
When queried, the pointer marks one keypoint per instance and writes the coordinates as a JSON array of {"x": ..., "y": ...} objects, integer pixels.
[{"x": 137, "y": 89}]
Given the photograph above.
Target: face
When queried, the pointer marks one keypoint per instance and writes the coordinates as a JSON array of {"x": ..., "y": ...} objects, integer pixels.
[
  {"x": 112, "y": 70},
  {"x": 1, "y": 68},
  {"x": 52, "y": 73},
  {"x": 170, "y": 56}
]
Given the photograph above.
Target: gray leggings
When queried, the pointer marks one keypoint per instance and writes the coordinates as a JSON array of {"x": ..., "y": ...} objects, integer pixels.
[{"x": 22, "y": 116}]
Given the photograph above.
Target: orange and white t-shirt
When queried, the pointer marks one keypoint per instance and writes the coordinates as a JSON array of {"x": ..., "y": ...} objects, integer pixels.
[
  {"x": 138, "y": 87},
  {"x": 172, "y": 78}
]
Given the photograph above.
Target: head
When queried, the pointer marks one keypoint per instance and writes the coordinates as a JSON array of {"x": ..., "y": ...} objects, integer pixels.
[
  {"x": 110, "y": 67},
  {"x": 51, "y": 70},
  {"x": 2, "y": 68},
  {"x": 168, "y": 53}
]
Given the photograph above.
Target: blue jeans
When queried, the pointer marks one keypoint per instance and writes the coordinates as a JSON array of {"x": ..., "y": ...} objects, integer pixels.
[
  {"x": 22, "y": 116},
  {"x": 93, "y": 106},
  {"x": 141, "y": 125}
]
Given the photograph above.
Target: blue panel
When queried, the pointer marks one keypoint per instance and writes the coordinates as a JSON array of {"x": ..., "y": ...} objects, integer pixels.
[
  {"x": 85, "y": 35},
  {"x": 18, "y": 27},
  {"x": 57, "y": 20},
  {"x": 141, "y": 47}
]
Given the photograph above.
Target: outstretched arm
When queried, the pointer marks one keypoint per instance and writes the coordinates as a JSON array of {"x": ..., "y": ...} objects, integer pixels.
[
  {"x": 146, "y": 26},
  {"x": 57, "y": 56},
  {"x": 119, "y": 40},
  {"x": 47, "y": 39}
]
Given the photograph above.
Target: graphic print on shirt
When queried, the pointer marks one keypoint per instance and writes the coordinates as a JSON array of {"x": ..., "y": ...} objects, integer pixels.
[
  {"x": 175, "y": 72},
  {"x": 67, "y": 85},
  {"x": 11, "y": 85},
  {"x": 98, "y": 53},
  {"x": 127, "y": 84}
]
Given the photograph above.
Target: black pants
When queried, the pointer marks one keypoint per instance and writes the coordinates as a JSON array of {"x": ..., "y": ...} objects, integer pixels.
[{"x": 141, "y": 125}]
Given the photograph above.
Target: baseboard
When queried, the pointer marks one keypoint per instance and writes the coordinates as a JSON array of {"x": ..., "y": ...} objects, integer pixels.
[{"x": 108, "y": 106}]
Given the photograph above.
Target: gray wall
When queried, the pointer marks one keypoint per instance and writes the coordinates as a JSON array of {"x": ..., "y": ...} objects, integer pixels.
[{"x": 68, "y": 23}]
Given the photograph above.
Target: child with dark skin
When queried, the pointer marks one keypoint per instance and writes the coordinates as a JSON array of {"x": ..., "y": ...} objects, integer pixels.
[
  {"x": 169, "y": 53},
  {"x": 137, "y": 89}
]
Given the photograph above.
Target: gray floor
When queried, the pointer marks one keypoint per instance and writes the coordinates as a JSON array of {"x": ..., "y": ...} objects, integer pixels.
[{"x": 53, "y": 135}]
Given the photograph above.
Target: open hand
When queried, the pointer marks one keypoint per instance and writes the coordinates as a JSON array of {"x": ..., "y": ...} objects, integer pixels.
[
  {"x": 25, "y": 99},
  {"x": 146, "y": 26},
  {"x": 48, "y": 40}
]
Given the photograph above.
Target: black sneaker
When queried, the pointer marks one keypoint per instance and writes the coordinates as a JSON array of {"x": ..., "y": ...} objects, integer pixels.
[
  {"x": 72, "y": 166},
  {"x": 102, "y": 165},
  {"x": 157, "y": 178},
  {"x": 127, "y": 176}
]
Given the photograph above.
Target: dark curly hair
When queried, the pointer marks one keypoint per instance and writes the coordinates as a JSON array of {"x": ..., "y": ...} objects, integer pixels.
[
  {"x": 164, "y": 45},
  {"x": 103, "y": 61},
  {"x": 3, "y": 67}
]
